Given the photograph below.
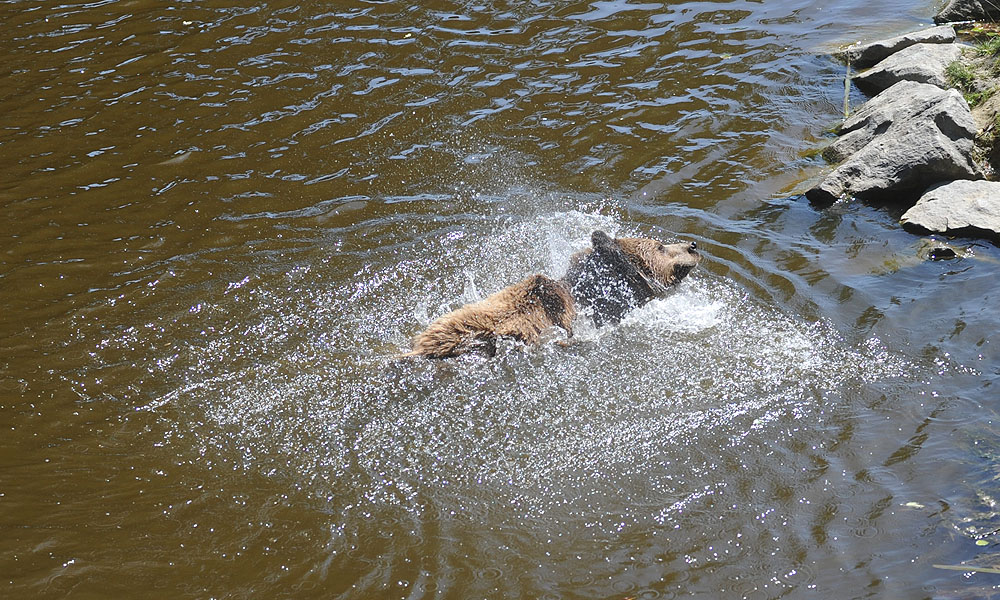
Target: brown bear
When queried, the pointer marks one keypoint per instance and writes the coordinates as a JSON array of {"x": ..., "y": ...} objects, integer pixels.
[
  {"x": 618, "y": 275},
  {"x": 521, "y": 311},
  {"x": 609, "y": 279}
]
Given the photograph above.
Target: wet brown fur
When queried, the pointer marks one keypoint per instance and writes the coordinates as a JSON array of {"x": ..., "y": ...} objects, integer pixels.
[
  {"x": 521, "y": 311},
  {"x": 611, "y": 278}
]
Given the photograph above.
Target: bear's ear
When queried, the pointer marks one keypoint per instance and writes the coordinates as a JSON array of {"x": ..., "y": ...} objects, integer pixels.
[
  {"x": 610, "y": 254},
  {"x": 599, "y": 239}
]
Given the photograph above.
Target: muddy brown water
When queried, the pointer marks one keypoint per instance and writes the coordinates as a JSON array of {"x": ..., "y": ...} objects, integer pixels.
[{"x": 222, "y": 220}]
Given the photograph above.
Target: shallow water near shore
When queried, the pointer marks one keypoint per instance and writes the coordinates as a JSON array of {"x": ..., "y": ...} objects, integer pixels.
[{"x": 224, "y": 223}]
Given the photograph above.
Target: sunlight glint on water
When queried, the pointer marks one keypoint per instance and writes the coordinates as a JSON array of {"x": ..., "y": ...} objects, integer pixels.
[
  {"x": 225, "y": 219},
  {"x": 547, "y": 433}
]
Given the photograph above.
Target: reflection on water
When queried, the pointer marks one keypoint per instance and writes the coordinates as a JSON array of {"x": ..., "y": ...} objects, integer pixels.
[{"x": 224, "y": 222}]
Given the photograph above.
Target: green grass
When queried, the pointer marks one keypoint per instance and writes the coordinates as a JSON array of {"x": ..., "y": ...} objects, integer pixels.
[
  {"x": 977, "y": 98},
  {"x": 990, "y": 46},
  {"x": 987, "y": 44},
  {"x": 964, "y": 79},
  {"x": 959, "y": 75}
]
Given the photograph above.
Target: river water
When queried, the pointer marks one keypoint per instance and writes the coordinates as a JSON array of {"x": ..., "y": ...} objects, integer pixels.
[{"x": 222, "y": 220}]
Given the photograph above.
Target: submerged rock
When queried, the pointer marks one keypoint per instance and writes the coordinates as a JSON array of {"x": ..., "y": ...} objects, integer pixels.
[
  {"x": 958, "y": 208},
  {"x": 931, "y": 249},
  {"x": 905, "y": 139},
  {"x": 925, "y": 249},
  {"x": 862, "y": 56},
  {"x": 923, "y": 63},
  {"x": 969, "y": 10}
]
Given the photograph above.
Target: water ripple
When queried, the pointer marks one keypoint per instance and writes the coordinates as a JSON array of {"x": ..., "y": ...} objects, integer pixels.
[{"x": 226, "y": 219}]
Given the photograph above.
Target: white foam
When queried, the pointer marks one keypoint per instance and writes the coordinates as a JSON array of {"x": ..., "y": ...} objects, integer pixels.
[{"x": 687, "y": 309}]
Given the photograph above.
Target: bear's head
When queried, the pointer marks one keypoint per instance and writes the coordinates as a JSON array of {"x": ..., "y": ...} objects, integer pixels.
[
  {"x": 664, "y": 264},
  {"x": 617, "y": 275}
]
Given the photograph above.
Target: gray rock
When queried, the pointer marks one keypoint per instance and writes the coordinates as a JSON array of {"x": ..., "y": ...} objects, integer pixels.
[
  {"x": 906, "y": 101},
  {"x": 862, "y": 56},
  {"x": 957, "y": 208},
  {"x": 969, "y": 10},
  {"x": 924, "y": 63},
  {"x": 907, "y": 138}
]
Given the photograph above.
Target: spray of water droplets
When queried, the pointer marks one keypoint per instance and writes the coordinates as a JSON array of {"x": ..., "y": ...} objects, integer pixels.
[{"x": 626, "y": 416}]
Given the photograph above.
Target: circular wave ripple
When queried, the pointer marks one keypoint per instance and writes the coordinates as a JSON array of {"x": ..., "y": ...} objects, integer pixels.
[{"x": 625, "y": 425}]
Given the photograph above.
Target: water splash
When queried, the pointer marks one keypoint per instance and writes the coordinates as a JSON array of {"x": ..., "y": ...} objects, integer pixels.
[{"x": 627, "y": 421}]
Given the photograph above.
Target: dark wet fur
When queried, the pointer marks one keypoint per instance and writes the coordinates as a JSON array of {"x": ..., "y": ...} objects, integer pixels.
[{"x": 607, "y": 282}]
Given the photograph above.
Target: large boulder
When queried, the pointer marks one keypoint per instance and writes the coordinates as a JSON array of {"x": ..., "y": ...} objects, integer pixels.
[
  {"x": 900, "y": 142},
  {"x": 862, "y": 56},
  {"x": 900, "y": 106},
  {"x": 957, "y": 208},
  {"x": 969, "y": 10},
  {"x": 923, "y": 63}
]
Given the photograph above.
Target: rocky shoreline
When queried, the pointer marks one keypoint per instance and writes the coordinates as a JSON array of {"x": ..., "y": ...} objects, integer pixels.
[{"x": 916, "y": 143}]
